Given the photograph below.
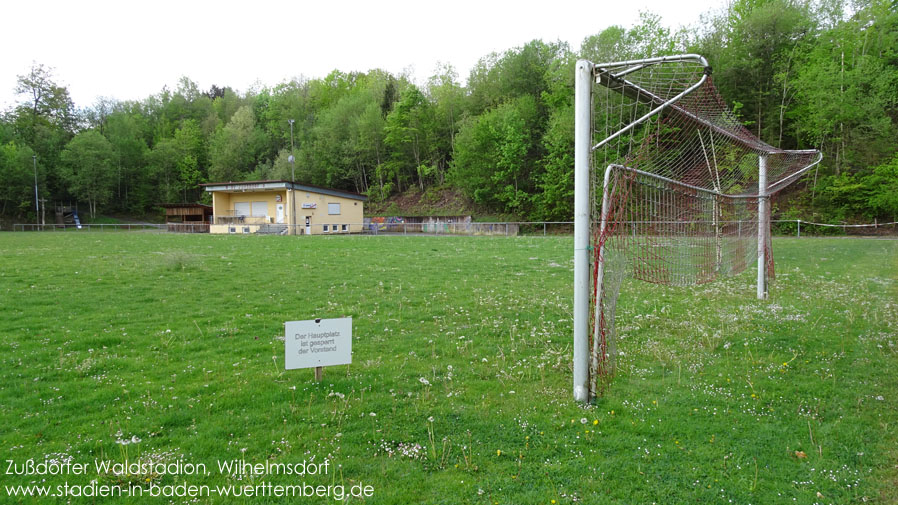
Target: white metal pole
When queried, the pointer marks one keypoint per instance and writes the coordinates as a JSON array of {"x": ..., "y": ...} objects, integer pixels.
[
  {"x": 600, "y": 286},
  {"x": 582, "y": 145},
  {"x": 762, "y": 227},
  {"x": 717, "y": 235}
]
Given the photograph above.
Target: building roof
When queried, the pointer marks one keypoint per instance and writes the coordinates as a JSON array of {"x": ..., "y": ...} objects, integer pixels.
[
  {"x": 184, "y": 206},
  {"x": 247, "y": 186}
]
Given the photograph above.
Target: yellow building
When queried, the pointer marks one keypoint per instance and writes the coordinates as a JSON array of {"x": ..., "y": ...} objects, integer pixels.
[{"x": 284, "y": 208}]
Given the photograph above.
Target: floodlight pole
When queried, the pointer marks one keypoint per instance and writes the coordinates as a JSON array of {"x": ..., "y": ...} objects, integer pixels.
[
  {"x": 582, "y": 148},
  {"x": 37, "y": 210},
  {"x": 292, "y": 158},
  {"x": 763, "y": 224}
]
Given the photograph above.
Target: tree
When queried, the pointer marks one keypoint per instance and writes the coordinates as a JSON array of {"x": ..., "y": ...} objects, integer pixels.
[
  {"x": 87, "y": 168},
  {"x": 125, "y": 130},
  {"x": 846, "y": 87},
  {"x": 647, "y": 39},
  {"x": 883, "y": 182},
  {"x": 491, "y": 161},
  {"x": 555, "y": 200},
  {"x": 753, "y": 54},
  {"x": 449, "y": 108},
  {"x": 47, "y": 105},
  {"x": 233, "y": 150},
  {"x": 17, "y": 174},
  {"x": 409, "y": 132}
]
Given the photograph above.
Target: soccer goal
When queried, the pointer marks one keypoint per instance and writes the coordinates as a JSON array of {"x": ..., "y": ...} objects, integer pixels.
[{"x": 670, "y": 188}]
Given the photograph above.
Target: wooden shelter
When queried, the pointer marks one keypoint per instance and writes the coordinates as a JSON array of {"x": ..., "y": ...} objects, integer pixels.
[{"x": 187, "y": 217}]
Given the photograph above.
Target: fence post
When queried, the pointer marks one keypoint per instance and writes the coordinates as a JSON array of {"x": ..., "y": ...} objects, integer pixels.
[{"x": 799, "y": 227}]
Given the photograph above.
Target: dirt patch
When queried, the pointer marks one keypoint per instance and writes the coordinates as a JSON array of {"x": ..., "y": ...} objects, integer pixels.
[{"x": 433, "y": 202}]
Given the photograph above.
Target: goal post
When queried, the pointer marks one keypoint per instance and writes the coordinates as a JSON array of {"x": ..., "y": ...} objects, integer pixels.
[
  {"x": 582, "y": 216},
  {"x": 763, "y": 227},
  {"x": 668, "y": 188}
]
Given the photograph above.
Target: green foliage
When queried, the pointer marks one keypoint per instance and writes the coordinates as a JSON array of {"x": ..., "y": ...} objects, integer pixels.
[
  {"x": 492, "y": 154},
  {"x": 409, "y": 128},
  {"x": 871, "y": 195},
  {"x": 234, "y": 148},
  {"x": 17, "y": 174},
  {"x": 798, "y": 74},
  {"x": 883, "y": 200},
  {"x": 647, "y": 39},
  {"x": 555, "y": 200},
  {"x": 88, "y": 168}
]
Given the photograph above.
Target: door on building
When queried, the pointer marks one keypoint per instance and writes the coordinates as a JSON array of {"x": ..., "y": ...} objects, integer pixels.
[
  {"x": 279, "y": 216},
  {"x": 308, "y": 225}
]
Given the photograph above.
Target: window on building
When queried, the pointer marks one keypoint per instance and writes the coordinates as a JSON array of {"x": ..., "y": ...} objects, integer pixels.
[
  {"x": 345, "y": 227},
  {"x": 333, "y": 209},
  {"x": 241, "y": 209},
  {"x": 260, "y": 209},
  {"x": 325, "y": 228}
]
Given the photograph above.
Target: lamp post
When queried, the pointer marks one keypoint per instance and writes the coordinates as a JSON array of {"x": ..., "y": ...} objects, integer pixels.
[
  {"x": 292, "y": 160},
  {"x": 37, "y": 209}
]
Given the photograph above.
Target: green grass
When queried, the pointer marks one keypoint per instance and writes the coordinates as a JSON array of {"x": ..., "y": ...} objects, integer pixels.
[{"x": 177, "y": 340}]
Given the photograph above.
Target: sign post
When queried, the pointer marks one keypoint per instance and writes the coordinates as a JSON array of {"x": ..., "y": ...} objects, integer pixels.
[{"x": 317, "y": 343}]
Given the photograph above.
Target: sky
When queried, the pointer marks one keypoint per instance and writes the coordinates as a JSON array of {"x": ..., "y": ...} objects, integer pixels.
[{"x": 129, "y": 50}]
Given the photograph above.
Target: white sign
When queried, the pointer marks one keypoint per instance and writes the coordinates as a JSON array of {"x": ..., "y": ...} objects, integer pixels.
[
  {"x": 310, "y": 205},
  {"x": 318, "y": 342}
]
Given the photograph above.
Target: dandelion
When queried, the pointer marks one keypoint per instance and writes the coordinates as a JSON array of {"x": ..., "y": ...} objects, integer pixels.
[
  {"x": 430, "y": 419},
  {"x": 498, "y": 452},
  {"x": 595, "y": 422},
  {"x": 424, "y": 381},
  {"x": 583, "y": 420}
]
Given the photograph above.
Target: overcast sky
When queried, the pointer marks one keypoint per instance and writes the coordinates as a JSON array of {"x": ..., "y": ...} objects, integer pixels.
[{"x": 129, "y": 49}]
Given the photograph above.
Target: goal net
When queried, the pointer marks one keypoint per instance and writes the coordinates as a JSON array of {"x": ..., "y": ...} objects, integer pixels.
[{"x": 671, "y": 188}]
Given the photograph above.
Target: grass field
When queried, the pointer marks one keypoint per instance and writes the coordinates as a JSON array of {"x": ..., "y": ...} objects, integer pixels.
[{"x": 169, "y": 348}]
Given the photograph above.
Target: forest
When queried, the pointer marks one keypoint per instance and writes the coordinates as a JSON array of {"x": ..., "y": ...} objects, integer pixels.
[{"x": 799, "y": 74}]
